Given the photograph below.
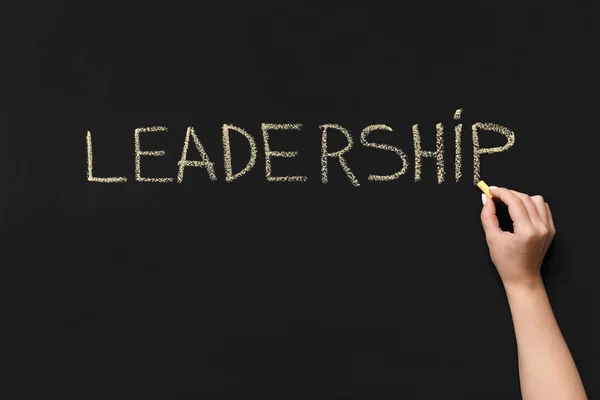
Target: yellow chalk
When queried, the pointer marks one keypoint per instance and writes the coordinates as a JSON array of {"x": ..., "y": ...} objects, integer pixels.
[{"x": 484, "y": 188}]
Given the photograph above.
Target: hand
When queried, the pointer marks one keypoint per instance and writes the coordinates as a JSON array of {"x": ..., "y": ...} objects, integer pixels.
[{"x": 518, "y": 256}]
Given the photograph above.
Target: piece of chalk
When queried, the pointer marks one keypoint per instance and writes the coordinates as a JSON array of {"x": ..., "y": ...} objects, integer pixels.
[{"x": 484, "y": 188}]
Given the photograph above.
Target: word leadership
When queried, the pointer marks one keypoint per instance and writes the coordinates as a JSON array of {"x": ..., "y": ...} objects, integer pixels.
[{"x": 327, "y": 155}]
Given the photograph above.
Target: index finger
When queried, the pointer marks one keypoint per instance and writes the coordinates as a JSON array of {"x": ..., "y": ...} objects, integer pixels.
[{"x": 516, "y": 207}]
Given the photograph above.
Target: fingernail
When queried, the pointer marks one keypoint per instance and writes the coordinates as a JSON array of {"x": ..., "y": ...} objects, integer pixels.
[
  {"x": 483, "y": 198},
  {"x": 493, "y": 187}
]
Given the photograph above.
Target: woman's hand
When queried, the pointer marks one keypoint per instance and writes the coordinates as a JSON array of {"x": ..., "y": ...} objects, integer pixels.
[{"x": 518, "y": 256}]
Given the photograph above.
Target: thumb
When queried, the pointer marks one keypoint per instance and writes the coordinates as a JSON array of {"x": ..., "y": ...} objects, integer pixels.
[{"x": 489, "y": 220}]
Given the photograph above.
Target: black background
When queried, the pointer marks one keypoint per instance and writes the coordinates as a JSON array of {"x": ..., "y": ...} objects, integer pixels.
[{"x": 255, "y": 289}]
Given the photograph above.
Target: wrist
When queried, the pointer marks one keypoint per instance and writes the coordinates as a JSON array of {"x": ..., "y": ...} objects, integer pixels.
[{"x": 526, "y": 288}]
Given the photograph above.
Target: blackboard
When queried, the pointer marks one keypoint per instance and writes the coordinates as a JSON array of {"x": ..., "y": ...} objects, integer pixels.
[{"x": 301, "y": 289}]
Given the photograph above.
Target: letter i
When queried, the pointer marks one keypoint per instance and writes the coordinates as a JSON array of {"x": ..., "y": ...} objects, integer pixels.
[{"x": 457, "y": 149}]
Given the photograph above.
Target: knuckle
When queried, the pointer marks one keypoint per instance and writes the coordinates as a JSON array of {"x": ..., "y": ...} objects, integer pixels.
[
  {"x": 519, "y": 202},
  {"x": 538, "y": 198},
  {"x": 530, "y": 236}
]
